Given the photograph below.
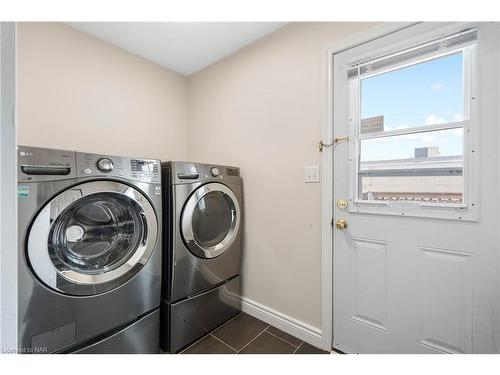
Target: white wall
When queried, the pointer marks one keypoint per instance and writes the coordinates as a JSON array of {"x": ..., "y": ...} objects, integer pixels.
[
  {"x": 78, "y": 92},
  {"x": 261, "y": 109}
]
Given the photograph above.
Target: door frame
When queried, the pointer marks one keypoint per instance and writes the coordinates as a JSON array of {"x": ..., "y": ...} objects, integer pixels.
[
  {"x": 327, "y": 132},
  {"x": 8, "y": 188}
]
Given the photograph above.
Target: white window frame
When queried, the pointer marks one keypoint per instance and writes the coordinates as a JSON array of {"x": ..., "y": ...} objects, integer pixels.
[{"x": 467, "y": 210}]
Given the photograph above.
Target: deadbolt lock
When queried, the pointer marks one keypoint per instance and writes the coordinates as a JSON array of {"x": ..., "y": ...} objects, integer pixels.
[
  {"x": 342, "y": 203},
  {"x": 341, "y": 224}
]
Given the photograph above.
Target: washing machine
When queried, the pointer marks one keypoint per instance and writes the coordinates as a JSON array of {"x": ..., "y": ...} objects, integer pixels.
[
  {"x": 203, "y": 211},
  {"x": 89, "y": 252}
]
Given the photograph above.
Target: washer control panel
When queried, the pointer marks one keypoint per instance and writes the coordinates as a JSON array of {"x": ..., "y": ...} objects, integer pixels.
[
  {"x": 145, "y": 170},
  {"x": 42, "y": 164}
]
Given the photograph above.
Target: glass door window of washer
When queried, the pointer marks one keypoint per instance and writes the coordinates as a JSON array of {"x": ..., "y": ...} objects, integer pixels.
[{"x": 92, "y": 238}]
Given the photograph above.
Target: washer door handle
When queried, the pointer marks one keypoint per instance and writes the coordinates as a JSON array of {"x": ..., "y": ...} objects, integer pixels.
[{"x": 144, "y": 228}]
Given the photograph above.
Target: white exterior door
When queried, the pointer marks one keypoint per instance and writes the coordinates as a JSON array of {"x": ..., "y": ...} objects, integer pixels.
[{"x": 416, "y": 269}]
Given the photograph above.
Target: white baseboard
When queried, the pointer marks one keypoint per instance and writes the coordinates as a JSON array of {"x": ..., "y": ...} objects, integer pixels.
[{"x": 294, "y": 327}]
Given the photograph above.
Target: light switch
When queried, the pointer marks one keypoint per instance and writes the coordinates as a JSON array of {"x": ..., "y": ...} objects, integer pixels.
[{"x": 311, "y": 174}]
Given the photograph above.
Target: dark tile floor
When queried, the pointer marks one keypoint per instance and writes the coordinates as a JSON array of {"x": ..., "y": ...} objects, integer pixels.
[{"x": 245, "y": 334}]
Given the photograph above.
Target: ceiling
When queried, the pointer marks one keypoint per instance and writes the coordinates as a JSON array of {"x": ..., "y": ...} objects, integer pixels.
[{"x": 184, "y": 47}]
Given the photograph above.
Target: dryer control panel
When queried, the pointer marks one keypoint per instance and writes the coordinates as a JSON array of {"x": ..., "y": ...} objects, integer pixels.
[
  {"x": 187, "y": 172},
  {"x": 90, "y": 165}
]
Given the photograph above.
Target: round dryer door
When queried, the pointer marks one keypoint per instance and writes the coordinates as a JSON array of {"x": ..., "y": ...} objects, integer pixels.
[
  {"x": 92, "y": 238},
  {"x": 210, "y": 220}
]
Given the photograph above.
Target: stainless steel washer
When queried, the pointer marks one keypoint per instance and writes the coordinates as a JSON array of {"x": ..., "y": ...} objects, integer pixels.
[
  {"x": 202, "y": 250},
  {"x": 90, "y": 252}
]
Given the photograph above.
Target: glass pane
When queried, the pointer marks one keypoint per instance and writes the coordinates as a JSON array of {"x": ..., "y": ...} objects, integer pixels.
[
  {"x": 436, "y": 144},
  {"x": 97, "y": 233},
  {"x": 426, "y": 93},
  {"x": 212, "y": 219},
  {"x": 424, "y": 167}
]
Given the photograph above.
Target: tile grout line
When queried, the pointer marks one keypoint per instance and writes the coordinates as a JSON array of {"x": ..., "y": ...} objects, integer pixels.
[
  {"x": 298, "y": 347},
  {"x": 254, "y": 338},
  {"x": 193, "y": 344},
  {"x": 282, "y": 339},
  {"x": 223, "y": 324},
  {"x": 210, "y": 334},
  {"x": 229, "y": 346}
]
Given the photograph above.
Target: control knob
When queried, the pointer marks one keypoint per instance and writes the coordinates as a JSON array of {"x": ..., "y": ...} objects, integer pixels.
[
  {"x": 214, "y": 172},
  {"x": 105, "y": 165}
]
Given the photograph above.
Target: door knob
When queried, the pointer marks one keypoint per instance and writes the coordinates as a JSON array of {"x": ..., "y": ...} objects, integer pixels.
[{"x": 341, "y": 224}]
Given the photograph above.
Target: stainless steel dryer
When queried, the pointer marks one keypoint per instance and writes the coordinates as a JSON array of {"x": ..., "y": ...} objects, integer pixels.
[
  {"x": 201, "y": 252},
  {"x": 89, "y": 252}
]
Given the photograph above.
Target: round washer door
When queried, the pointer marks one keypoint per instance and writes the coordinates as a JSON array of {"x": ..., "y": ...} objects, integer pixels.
[
  {"x": 210, "y": 220},
  {"x": 92, "y": 238}
]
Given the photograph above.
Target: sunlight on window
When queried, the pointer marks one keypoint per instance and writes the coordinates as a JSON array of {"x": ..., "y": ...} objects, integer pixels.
[
  {"x": 427, "y": 93},
  {"x": 411, "y": 135}
]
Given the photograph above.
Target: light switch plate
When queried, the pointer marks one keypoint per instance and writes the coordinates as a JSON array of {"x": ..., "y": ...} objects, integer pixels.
[{"x": 311, "y": 174}]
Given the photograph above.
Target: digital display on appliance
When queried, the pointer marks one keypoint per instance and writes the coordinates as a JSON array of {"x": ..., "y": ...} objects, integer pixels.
[
  {"x": 143, "y": 166},
  {"x": 232, "y": 172}
]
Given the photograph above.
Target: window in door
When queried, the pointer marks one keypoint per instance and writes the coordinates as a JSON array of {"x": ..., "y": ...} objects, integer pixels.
[{"x": 411, "y": 125}]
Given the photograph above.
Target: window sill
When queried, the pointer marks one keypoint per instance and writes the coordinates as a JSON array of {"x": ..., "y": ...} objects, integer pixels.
[{"x": 456, "y": 212}]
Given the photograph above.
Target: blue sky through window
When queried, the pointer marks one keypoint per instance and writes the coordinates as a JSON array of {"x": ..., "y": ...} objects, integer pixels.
[{"x": 427, "y": 93}]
